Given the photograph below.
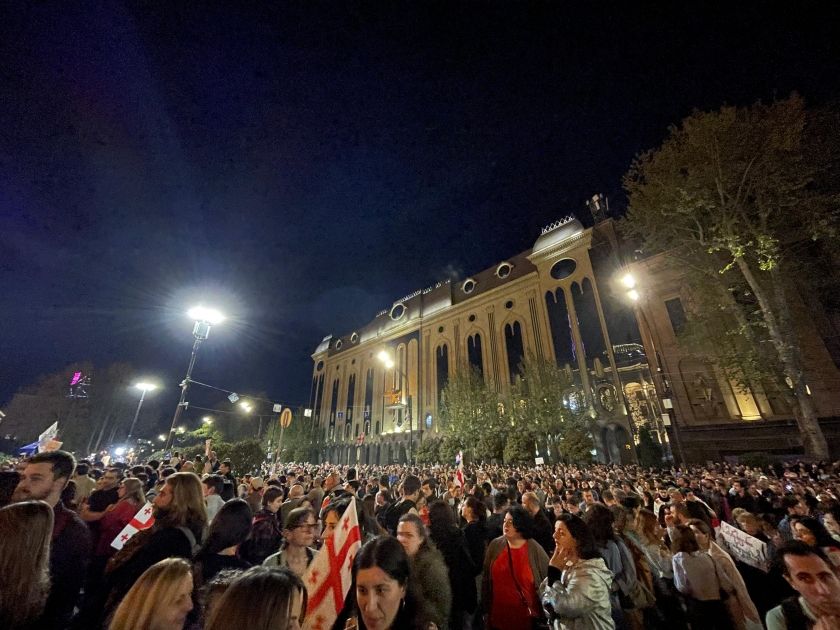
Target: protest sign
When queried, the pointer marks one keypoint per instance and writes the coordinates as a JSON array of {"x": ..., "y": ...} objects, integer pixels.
[{"x": 746, "y": 548}]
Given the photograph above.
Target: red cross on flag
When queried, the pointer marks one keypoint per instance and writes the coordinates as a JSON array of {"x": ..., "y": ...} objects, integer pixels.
[
  {"x": 329, "y": 576},
  {"x": 142, "y": 520}
]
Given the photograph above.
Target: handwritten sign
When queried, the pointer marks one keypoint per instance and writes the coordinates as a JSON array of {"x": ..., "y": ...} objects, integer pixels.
[{"x": 746, "y": 548}]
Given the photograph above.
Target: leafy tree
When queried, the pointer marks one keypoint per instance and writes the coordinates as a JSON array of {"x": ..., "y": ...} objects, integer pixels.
[
  {"x": 429, "y": 451},
  {"x": 246, "y": 456},
  {"x": 736, "y": 196},
  {"x": 537, "y": 407},
  {"x": 470, "y": 415}
]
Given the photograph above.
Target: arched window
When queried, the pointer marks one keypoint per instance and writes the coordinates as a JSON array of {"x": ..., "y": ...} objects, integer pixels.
[
  {"x": 442, "y": 372},
  {"x": 561, "y": 329},
  {"x": 334, "y": 402},
  {"x": 474, "y": 353},
  {"x": 515, "y": 348},
  {"x": 351, "y": 398},
  {"x": 589, "y": 323}
]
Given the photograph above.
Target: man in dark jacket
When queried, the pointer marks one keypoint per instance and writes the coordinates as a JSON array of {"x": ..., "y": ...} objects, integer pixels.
[
  {"x": 44, "y": 478},
  {"x": 543, "y": 529}
]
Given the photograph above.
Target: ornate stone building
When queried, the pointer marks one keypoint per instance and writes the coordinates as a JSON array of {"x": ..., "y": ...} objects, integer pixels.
[
  {"x": 564, "y": 300},
  {"x": 556, "y": 301}
]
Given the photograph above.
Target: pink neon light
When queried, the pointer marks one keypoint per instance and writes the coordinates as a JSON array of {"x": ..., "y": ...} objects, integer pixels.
[{"x": 76, "y": 378}]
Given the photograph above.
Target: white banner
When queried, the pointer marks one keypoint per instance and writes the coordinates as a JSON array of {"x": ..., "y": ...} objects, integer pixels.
[
  {"x": 47, "y": 436},
  {"x": 746, "y": 548}
]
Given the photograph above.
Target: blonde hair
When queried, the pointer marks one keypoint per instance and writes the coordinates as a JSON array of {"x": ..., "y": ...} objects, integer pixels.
[
  {"x": 134, "y": 490},
  {"x": 25, "y": 532},
  {"x": 155, "y": 589},
  {"x": 187, "y": 508}
]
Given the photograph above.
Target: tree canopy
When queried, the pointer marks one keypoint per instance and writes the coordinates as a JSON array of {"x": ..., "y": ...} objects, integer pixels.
[{"x": 742, "y": 197}]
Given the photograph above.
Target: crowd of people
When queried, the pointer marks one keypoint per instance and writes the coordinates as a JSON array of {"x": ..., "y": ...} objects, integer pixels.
[{"x": 481, "y": 547}]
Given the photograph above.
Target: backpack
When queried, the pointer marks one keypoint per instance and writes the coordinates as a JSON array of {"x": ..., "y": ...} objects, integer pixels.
[
  {"x": 795, "y": 618},
  {"x": 194, "y": 546}
]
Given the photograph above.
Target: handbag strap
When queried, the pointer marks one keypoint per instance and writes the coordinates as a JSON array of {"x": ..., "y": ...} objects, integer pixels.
[{"x": 516, "y": 582}]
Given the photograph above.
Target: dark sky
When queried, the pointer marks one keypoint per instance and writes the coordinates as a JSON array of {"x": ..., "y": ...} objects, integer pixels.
[{"x": 303, "y": 165}]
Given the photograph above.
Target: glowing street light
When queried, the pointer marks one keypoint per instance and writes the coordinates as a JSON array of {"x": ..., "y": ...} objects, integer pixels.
[
  {"x": 203, "y": 314},
  {"x": 386, "y": 359},
  {"x": 628, "y": 280},
  {"x": 634, "y": 295},
  {"x": 182, "y": 430},
  {"x": 207, "y": 420},
  {"x": 204, "y": 318},
  {"x": 246, "y": 406},
  {"x": 162, "y": 437},
  {"x": 143, "y": 387}
]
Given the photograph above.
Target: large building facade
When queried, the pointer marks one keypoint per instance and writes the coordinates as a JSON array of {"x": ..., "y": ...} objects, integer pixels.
[
  {"x": 564, "y": 300},
  {"x": 555, "y": 301}
]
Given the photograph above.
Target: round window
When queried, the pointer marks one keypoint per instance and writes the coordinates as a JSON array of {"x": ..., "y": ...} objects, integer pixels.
[
  {"x": 471, "y": 318},
  {"x": 509, "y": 304},
  {"x": 563, "y": 269},
  {"x": 440, "y": 329},
  {"x": 503, "y": 270},
  {"x": 320, "y": 366},
  {"x": 468, "y": 286},
  {"x": 354, "y": 338},
  {"x": 397, "y": 311},
  {"x": 338, "y": 344}
]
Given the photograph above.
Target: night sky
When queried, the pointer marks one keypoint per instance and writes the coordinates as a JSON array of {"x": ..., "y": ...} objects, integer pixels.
[{"x": 303, "y": 165}]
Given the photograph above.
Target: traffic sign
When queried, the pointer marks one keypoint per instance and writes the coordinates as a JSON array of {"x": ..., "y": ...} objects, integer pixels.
[{"x": 286, "y": 418}]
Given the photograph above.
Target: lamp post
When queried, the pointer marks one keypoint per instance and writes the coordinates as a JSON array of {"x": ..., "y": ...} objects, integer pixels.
[
  {"x": 204, "y": 319},
  {"x": 633, "y": 294},
  {"x": 143, "y": 387},
  {"x": 387, "y": 360}
]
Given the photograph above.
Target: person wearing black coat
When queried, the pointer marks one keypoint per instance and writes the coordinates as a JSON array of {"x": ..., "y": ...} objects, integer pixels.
[{"x": 462, "y": 570}]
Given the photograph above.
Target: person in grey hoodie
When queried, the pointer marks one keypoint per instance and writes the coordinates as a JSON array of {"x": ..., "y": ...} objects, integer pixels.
[{"x": 576, "y": 593}]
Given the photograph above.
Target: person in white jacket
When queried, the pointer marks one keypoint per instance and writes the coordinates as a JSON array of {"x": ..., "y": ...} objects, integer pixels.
[{"x": 576, "y": 593}]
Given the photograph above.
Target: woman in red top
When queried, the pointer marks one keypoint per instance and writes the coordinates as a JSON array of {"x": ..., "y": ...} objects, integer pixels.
[
  {"x": 514, "y": 566},
  {"x": 118, "y": 515}
]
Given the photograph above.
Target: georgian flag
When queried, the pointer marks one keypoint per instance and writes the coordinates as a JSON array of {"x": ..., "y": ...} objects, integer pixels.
[
  {"x": 142, "y": 520},
  {"x": 459, "y": 474},
  {"x": 328, "y": 578}
]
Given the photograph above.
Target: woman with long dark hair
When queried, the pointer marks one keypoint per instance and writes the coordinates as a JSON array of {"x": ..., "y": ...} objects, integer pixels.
[
  {"x": 577, "y": 590},
  {"x": 229, "y": 529},
  {"x": 514, "y": 566},
  {"x": 428, "y": 569}
]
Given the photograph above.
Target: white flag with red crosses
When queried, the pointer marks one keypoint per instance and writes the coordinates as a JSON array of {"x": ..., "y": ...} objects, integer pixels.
[
  {"x": 329, "y": 576},
  {"x": 142, "y": 520}
]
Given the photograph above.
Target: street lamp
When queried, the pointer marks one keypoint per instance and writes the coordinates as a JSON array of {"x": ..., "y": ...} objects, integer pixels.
[
  {"x": 207, "y": 420},
  {"x": 633, "y": 294},
  {"x": 388, "y": 361},
  {"x": 143, "y": 387},
  {"x": 204, "y": 318}
]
